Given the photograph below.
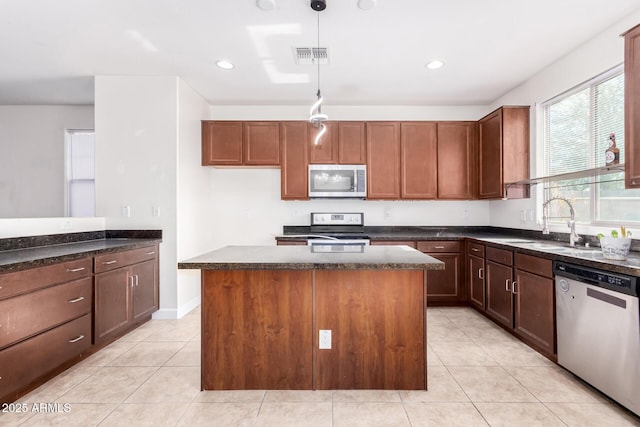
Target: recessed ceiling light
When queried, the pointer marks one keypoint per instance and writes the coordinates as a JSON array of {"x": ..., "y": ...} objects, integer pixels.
[
  {"x": 224, "y": 64},
  {"x": 266, "y": 4},
  {"x": 366, "y": 4},
  {"x": 435, "y": 64}
]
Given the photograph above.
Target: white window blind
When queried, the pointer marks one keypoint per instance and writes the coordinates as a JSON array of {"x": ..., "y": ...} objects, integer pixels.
[
  {"x": 577, "y": 126},
  {"x": 80, "y": 173}
]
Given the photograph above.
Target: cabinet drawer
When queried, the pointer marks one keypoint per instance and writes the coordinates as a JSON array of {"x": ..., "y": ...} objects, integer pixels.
[
  {"x": 535, "y": 265},
  {"x": 24, "y": 281},
  {"x": 120, "y": 259},
  {"x": 475, "y": 249},
  {"x": 29, "y": 314},
  {"x": 501, "y": 256},
  {"x": 438, "y": 246},
  {"x": 23, "y": 363},
  {"x": 410, "y": 243}
]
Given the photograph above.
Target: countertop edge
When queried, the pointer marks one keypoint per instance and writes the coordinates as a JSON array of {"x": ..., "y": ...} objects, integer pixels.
[{"x": 53, "y": 258}]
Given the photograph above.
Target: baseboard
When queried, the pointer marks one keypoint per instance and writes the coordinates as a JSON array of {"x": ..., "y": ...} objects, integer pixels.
[
  {"x": 177, "y": 313},
  {"x": 186, "y": 308}
]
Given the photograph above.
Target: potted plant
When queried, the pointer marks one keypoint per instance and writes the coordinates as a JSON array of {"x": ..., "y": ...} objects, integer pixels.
[{"x": 617, "y": 245}]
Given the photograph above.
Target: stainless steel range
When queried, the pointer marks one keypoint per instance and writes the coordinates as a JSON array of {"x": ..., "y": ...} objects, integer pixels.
[{"x": 337, "y": 231}]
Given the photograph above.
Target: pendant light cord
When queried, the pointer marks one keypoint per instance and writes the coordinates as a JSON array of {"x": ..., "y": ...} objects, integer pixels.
[{"x": 318, "y": 16}]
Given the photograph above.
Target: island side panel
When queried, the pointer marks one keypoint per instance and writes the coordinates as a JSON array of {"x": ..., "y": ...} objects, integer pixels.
[
  {"x": 377, "y": 319},
  {"x": 256, "y": 329}
]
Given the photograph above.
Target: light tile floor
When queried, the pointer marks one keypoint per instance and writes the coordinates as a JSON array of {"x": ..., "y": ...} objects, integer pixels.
[{"x": 478, "y": 374}]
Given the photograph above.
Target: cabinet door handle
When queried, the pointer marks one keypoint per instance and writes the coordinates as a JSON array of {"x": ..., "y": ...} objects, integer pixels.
[
  {"x": 109, "y": 262},
  {"x": 81, "y": 337},
  {"x": 130, "y": 279},
  {"x": 513, "y": 288},
  {"x": 481, "y": 273},
  {"x": 137, "y": 277},
  {"x": 506, "y": 285},
  {"x": 475, "y": 249},
  {"x": 438, "y": 247},
  {"x": 151, "y": 253},
  {"x": 76, "y": 300},
  {"x": 75, "y": 270}
]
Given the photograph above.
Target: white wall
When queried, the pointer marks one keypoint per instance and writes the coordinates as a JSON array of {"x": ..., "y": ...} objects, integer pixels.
[
  {"x": 592, "y": 58},
  {"x": 32, "y": 157},
  {"x": 194, "y": 228},
  {"x": 136, "y": 147},
  {"x": 22, "y": 227}
]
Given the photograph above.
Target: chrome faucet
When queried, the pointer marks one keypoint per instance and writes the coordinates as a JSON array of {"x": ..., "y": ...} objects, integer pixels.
[{"x": 573, "y": 236}]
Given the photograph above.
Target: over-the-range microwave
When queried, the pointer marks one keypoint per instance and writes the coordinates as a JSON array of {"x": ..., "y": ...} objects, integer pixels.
[{"x": 338, "y": 181}]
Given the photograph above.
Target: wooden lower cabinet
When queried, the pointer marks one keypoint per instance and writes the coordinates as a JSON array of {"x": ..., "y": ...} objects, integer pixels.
[
  {"x": 23, "y": 364},
  {"x": 256, "y": 329},
  {"x": 443, "y": 286},
  {"x": 534, "y": 311},
  {"x": 45, "y": 321},
  {"x": 126, "y": 295},
  {"x": 260, "y": 329},
  {"x": 292, "y": 243},
  {"x": 499, "y": 297},
  {"x": 476, "y": 281},
  {"x": 378, "y": 329}
]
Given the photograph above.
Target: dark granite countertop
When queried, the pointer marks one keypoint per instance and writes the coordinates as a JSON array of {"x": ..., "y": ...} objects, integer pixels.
[
  {"x": 322, "y": 257},
  {"x": 18, "y": 255},
  {"x": 554, "y": 246}
]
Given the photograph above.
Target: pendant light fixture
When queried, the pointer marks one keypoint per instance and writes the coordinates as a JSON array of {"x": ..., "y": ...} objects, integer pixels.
[{"x": 315, "y": 114}]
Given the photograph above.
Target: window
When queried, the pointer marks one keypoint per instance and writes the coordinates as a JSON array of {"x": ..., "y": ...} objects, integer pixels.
[
  {"x": 80, "y": 173},
  {"x": 577, "y": 129}
]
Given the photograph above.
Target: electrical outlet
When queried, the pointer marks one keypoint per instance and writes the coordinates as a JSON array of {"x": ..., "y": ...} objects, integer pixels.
[
  {"x": 324, "y": 341},
  {"x": 155, "y": 211},
  {"x": 126, "y": 211}
]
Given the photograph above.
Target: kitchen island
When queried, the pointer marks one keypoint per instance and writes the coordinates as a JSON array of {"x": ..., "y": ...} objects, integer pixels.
[{"x": 264, "y": 307}]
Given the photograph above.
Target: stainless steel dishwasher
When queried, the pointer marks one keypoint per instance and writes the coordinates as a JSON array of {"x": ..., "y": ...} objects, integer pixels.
[{"x": 598, "y": 330}]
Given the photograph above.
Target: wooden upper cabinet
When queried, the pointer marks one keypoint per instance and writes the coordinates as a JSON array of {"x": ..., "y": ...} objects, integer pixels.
[
  {"x": 294, "y": 174},
  {"x": 221, "y": 143},
  {"x": 457, "y": 160},
  {"x": 236, "y": 143},
  {"x": 326, "y": 150},
  {"x": 261, "y": 143},
  {"x": 632, "y": 107},
  {"x": 503, "y": 150},
  {"x": 352, "y": 143},
  {"x": 343, "y": 143},
  {"x": 383, "y": 160},
  {"x": 419, "y": 167}
]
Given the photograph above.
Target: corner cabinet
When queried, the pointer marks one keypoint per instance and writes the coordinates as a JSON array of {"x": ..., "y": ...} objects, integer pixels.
[
  {"x": 126, "y": 291},
  {"x": 632, "y": 107},
  {"x": 503, "y": 150}
]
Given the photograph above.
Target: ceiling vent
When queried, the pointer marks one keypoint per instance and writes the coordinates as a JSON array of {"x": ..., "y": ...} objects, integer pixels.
[{"x": 311, "y": 55}]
